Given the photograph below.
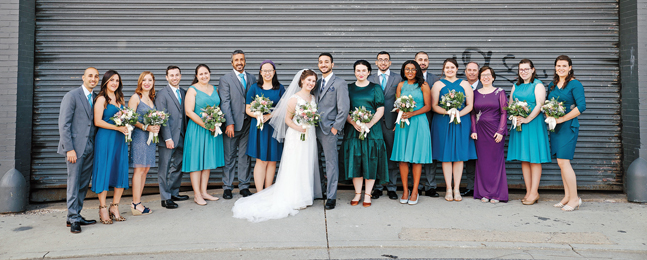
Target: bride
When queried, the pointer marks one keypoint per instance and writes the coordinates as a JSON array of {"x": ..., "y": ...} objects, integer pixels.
[{"x": 297, "y": 183}]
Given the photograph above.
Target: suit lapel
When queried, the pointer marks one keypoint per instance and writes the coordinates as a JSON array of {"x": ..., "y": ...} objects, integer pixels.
[
  {"x": 239, "y": 84},
  {"x": 326, "y": 87},
  {"x": 86, "y": 103},
  {"x": 389, "y": 82},
  {"x": 169, "y": 90}
]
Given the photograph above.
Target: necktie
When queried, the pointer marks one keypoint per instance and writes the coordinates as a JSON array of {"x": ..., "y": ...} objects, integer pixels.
[
  {"x": 383, "y": 81},
  {"x": 90, "y": 99},
  {"x": 323, "y": 83},
  {"x": 179, "y": 97},
  {"x": 242, "y": 79}
]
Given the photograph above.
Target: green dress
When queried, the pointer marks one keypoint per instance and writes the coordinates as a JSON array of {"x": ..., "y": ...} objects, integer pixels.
[
  {"x": 202, "y": 151},
  {"x": 364, "y": 158}
]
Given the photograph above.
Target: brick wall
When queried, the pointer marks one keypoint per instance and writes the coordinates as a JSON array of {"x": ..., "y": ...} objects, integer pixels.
[{"x": 9, "y": 31}]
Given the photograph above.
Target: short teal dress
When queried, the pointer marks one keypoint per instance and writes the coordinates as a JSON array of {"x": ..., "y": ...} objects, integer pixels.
[
  {"x": 364, "y": 158},
  {"x": 531, "y": 143},
  {"x": 452, "y": 142},
  {"x": 412, "y": 143},
  {"x": 564, "y": 139},
  {"x": 110, "y": 168},
  {"x": 202, "y": 150}
]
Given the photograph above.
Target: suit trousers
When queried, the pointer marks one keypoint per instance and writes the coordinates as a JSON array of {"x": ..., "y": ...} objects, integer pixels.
[
  {"x": 78, "y": 180},
  {"x": 394, "y": 171},
  {"x": 470, "y": 173},
  {"x": 237, "y": 147},
  {"x": 430, "y": 174},
  {"x": 169, "y": 174},
  {"x": 327, "y": 143}
]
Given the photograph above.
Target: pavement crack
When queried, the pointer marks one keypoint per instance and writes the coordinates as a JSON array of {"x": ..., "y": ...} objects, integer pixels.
[
  {"x": 326, "y": 225},
  {"x": 572, "y": 248},
  {"x": 45, "y": 254}
]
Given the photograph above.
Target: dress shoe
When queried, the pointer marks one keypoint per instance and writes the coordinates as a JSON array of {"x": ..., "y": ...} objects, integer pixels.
[
  {"x": 467, "y": 192},
  {"x": 376, "y": 194},
  {"x": 180, "y": 197},
  {"x": 227, "y": 195},
  {"x": 245, "y": 192},
  {"x": 169, "y": 204},
  {"x": 392, "y": 195},
  {"x": 75, "y": 227},
  {"x": 83, "y": 222},
  {"x": 330, "y": 204},
  {"x": 431, "y": 193}
]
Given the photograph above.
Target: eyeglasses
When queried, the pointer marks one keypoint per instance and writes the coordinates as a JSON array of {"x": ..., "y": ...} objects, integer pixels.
[
  {"x": 410, "y": 70},
  {"x": 383, "y": 60},
  {"x": 267, "y": 71},
  {"x": 486, "y": 75},
  {"x": 525, "y": 70}
]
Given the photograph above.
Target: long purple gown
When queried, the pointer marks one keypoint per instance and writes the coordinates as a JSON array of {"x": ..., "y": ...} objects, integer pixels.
[{"x": 488, "y": 118}]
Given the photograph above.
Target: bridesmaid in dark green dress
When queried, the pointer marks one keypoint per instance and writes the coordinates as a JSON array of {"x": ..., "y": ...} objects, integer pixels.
[
  {"x": 364, "y": 160},
  {"x": 565, "y": 88}
]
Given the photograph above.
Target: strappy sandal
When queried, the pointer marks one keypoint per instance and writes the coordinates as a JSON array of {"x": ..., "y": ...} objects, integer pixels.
[
  {"x": 136, "y": 212},
  {"x": 366, "y": 204},
  {"x": 113, "y": 216},
  {"x": 355, "y": 203},
  {"x": 448, "y": 195},
  {"x": 106, "y": 222},
  {"x": 457, "y": 195}
]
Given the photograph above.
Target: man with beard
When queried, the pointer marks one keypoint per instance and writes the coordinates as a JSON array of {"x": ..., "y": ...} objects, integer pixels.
[
  {"x": 430, "y": 169},
  {"x": 389, "y": 82},
  {"x": 233, "y": 91},
  {"x": 472, "y": 75}
]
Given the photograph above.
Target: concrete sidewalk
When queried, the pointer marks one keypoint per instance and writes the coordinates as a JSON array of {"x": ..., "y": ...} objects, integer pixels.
[{"x": 606, "y": 227}]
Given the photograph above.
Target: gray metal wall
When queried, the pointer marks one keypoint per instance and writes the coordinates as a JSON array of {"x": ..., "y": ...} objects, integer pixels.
[{"x": 133, "y": 36}]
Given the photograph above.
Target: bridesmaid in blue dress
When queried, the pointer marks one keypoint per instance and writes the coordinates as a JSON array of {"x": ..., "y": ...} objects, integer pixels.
[
  {"x": 202, "y": 151},
  {"x": 110, "y": 167},
  {"x": 142, "y": 155},
  {"x": 530, "y": 145},
  {"x": 565, "y": 88},
  {"x": 452, "y": 142},
  {"x": 412, "y": 144},
  {"x": 261, "y": 145}
]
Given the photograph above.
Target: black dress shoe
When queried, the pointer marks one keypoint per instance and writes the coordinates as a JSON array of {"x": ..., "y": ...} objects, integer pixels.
[
  {"x": 245, "y": 192},
  {"x": 227, "y": 195},
  {"x": 431, "y": 193},
  {"x": 75, "y": 227},
  {"x": 169, "y": 204},
  {"x": 330, "y": 204},
  {"x": 468, "y": 193},
  {"x": 376, "y": 194},
  {"x": 179, "y": 197},
  {"x": 392, "y": 195},
  {"x": 83, "y": 222}
]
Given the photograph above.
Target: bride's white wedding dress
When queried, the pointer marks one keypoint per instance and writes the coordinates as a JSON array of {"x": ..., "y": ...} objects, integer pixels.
[{"x": 294, "y": 187}]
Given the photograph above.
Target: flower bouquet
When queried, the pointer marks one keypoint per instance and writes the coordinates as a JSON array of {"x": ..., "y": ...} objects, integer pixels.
[
  {"x": 361, "y": 117},
  {"x": 553, "y": 110},
  {"x": 517, "y": 108},
  {"x": 213, "y": 118},
  {"x": 306, "y": 116},
  {"x": 403, "y": 104},
  {"x": 260, "y": 106},
  {"x": 451, "y": 102},
  {"x": 126, "y": 117},
  {"x": 154, "y": 117}
]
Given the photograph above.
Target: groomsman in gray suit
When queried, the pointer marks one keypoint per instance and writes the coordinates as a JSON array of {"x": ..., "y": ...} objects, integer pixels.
[
  {"x": 472, "y": 75},
  {"x": 233, "y": 91},
  {"x": 389, "y": 81},
  {"x": 430, "y": 169},
  {"x": 169, "y": 174},
  {"x": 333, "y": 104},
  {"x": 76, "y": 143}
]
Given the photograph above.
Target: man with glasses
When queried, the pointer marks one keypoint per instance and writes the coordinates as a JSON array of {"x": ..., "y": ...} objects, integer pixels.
[
  {"x": 430, "y": 169},
  {"x": 389, "y": 82},
  {"x": 472, "y": 75}
]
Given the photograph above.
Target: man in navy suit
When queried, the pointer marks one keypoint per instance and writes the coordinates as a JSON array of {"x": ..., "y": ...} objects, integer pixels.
[
  {"x": 472, "y": 75},
  {"x": 430, "y": 169}
]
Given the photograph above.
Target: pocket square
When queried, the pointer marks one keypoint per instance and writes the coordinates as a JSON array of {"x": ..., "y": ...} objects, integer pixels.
[{"x": 332, "y": 88}]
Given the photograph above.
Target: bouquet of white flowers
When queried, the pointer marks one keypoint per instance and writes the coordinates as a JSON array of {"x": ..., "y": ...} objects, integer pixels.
[
  {"x": 517, "y": 108},
  {"x": 306, "y": 116},
  {"x": 126, "y": 117},
  {"x": 451, "y": 102},
  {"x": 260, "y": 106},
  {"x": 553, "y": 110},
  {"x": 154, "y": 117},
  {"x": 213, "y": 118},
  {"x": 361, "y": 117},
  {"x": 403, "y": 104}
]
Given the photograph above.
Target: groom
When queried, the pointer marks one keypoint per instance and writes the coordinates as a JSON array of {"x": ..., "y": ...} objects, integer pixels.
[{"x": 331, "y": 93}]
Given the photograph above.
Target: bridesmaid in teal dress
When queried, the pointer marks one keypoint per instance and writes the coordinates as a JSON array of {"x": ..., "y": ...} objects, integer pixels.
[
  {"x": 565, "y": 88},
  {"x": 364, "y": 160},
  {"x": 110, "y": 167},
  {"x": 452, "y": 142},
  {"x": 202, "y": 151},
  {"x": 412, "y": 144},
  {"x": 530, "y": 145}
]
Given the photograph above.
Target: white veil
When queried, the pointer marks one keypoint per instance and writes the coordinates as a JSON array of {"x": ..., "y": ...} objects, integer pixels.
[{"x": 278, "y": 115}]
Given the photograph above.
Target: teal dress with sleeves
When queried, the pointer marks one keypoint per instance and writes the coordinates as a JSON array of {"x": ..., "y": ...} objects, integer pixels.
[{"x": 564, "y": 139}]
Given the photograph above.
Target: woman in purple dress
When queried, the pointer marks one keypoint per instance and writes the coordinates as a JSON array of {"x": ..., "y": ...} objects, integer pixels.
[{"x": 489, "y": 122}]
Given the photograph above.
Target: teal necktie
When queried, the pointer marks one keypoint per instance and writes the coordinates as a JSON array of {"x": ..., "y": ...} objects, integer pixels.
[
  {"x": 383, "y": 81},
  {"x": 242, "y": 79},
  {"x": 90, "y": 99},
  {"x": 179, "y": 97}
]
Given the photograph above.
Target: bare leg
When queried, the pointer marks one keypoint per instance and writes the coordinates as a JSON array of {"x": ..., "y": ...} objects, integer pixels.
[
  {"x": 535, "y": 169},
  {"x": 357, "y": 184},
  {"x": 139, "y": 178},
  {"x": 567, "y": 193},
  {"x": 447, "y": 173},
  {"x": 259, "y": 174},
  {"x": 527, "y": 179},
  {"x": 417, "y": 171},
  {"x": 570, "y": 181},
  {"x": 195, "y": 184},
  {"x": 204, "y": 181},
  {"x": 404, "y": 176},
  {"x": 457, "y": 168},
  {"x": 269, "y": 174},
  {"x": 369, "y": 188},
  {"x": 116, "y": 198},
  {"x": 103, "y": 212}
]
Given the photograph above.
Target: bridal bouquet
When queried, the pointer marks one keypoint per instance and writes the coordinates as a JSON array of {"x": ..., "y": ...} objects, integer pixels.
[
  {"x": 517, "y": 108},
  {"x": 213, "y": 118},
  {"x": 553, "y": 110},
  {"x": 306, "y": 115},
  {"x": 361, "y": 117},
  {"x": 126, "y": 117},
  {"x": 451, "y": 102},
  {"x": 259, "y": 106},
  {"x": 403, "y": 104},
  {"x": 154, "y": 117}
]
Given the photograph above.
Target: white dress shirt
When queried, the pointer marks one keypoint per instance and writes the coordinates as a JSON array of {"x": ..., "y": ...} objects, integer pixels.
[
  {"x": 239, "y": 79},
  {"x": 475, "y": 85}
]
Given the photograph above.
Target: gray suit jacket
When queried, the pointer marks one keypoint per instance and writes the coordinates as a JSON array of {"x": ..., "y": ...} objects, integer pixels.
[
  {"x": 333, "y": 104},
  {"x": 176, "y": 126},
  {"x": 431, "y": 79},
  {"x": 75, "y": 122},
  {"x": 389, "y": 96},
  {"x": 232, "y": 98}
]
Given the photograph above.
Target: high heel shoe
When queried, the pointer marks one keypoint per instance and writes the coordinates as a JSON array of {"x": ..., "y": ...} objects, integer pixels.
[
  {"x": 404, "y": 201},
  {"x": 457, "y": 195},
  {"x": 530, "y": 202},
  {"x": 558, "y": 205},
  {"x": 448, "y": 195},
  {"x": 485, "y": 200},
  {"x": 569, "y": 208},
  {"x": 106, "y": 222},
  {"x": 414, "y": 202},
  {"x": 113, "y": 216},
  {"x": 355, "y": 203},
  {"x": 136, "y": 212},
  {"x": 366, "y": 204}
]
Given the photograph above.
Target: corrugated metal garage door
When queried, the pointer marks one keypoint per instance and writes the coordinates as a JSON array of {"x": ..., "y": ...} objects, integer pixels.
[{"x": 133, "y": 36}]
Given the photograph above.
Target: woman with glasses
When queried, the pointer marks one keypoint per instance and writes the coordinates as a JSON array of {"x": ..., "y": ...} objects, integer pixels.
[
  {"x": 489, "y": 125},
  {"x": 261, "y": 145},
  {"x": 530, "y": 145}
]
